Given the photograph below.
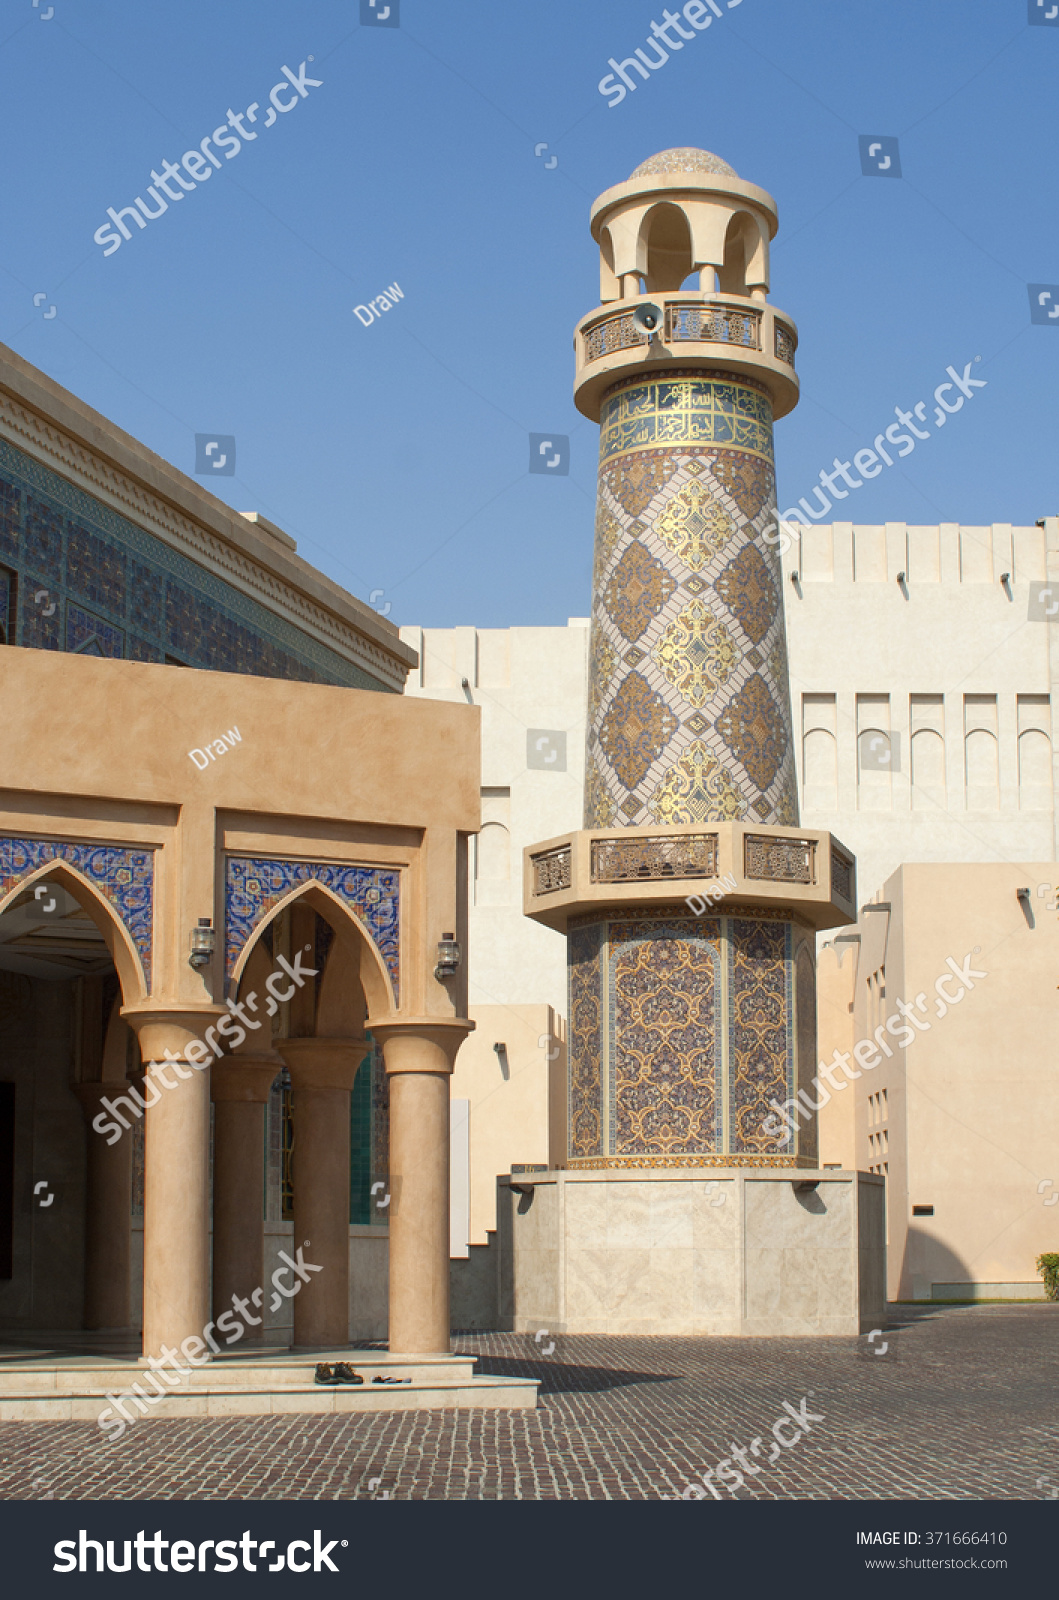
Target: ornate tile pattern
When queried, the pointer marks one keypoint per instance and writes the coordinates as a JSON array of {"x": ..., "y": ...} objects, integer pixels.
[
  {"x": 697, "y": 653},
  {"x": 585, "y": 1105},
  {"x": 761, "y": 1042},
  {"x": 254, "y": 886},
  {"x": 682, "y": 1029},
  {"x": 697, "y": 789},
  {"x": 755, "y": 732},
  {"x": 125, "y": 877},
  {"x": 638, "y": 589},
  {"x": 664, "y": 993},
  {"x": 115, "y": 589},
  {"x": 805, "y": 1034},
  {"x": 749, "y": 593},
  {"x": 686, "y": 485},
  {"x": 636, "y": 729}
]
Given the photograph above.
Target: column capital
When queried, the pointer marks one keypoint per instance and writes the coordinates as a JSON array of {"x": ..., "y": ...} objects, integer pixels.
[
  {"x": 247, "y": 1078},
  {"x": 421, "y": 1044},
  {"x": 323, "y": 1063},
  {"x": 161, "y": 1028}
]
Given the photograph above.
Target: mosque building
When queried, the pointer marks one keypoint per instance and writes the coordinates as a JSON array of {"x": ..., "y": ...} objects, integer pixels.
[{"x": 716, "y": 998}]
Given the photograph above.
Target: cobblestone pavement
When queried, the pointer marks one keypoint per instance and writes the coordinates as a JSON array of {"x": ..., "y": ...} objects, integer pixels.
[{"x": 960, "y": 1406}]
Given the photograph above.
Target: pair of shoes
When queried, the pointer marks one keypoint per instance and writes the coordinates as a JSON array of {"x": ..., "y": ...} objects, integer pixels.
[
  {"x": 341, "y": 1372},
  {"x": 391, "y": 1380}
]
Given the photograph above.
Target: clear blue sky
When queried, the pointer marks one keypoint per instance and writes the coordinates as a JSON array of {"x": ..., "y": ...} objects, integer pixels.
[{"x": 397, "y": 454}]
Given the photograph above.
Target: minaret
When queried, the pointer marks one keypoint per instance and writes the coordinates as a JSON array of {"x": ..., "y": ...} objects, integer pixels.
[{"x": 692, "y": 1000}]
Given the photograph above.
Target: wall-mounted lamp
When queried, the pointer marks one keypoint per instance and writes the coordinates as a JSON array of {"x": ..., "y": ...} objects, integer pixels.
[
  {"x": 448, "y": 962},
  {"x": 794, "y": 577},
  {"x": 902, "y": 577},
  {"x": 203, "y": 943},
  {"x": 1005, "y": 578}
]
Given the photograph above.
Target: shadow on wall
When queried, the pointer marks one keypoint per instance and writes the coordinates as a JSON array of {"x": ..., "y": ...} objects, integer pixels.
[{"x": 927, "y": 1261}]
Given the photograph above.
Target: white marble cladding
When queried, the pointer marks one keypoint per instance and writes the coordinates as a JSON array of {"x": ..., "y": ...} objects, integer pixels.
[{"x": 719, "y": 1251}]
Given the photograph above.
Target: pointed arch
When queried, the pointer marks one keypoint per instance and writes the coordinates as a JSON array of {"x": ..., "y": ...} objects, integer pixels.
[
  {"x": 126, "y": 956},
  {"x": 352, "y": 936}
]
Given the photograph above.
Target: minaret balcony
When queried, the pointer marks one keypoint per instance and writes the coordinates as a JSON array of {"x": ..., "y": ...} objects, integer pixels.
[
  {"x": 730, "y": 865},
  {"x": 731, "y": 332}
]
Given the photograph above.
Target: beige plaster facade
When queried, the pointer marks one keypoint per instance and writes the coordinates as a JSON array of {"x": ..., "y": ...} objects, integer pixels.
[{"x": 960, "y": 1117}]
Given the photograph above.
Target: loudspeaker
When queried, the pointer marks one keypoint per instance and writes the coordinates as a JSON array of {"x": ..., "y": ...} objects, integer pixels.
[{"x": 647, "y": 319}]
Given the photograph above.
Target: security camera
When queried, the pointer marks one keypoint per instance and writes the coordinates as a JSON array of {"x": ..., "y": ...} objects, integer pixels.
[{"x": 647, "y": 319}]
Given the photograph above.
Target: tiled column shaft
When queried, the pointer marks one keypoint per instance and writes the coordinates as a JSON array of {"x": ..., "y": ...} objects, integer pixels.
[{"x": 689, "y": 700}]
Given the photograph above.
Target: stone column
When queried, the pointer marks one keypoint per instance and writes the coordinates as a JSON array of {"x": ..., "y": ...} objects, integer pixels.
[
  {"x": 108, "y": 1213},
  {"x": 240, "y": 1088},
  {"x": 419, "y": 1056},
  {"x": 322, "y": 1073},
  {"x": 176, "y": 1239}
]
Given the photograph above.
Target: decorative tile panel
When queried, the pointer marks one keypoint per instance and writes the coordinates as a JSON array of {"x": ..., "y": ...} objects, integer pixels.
[
  {"x": 761, "y": 1035},
  {"x": 664, "y": 997},
  {"x": 123, "y": 876},
  {"x": 255, "y": 885},
  {"x": 585, "y": 1109},
  {"x": 123, "y": 591}
]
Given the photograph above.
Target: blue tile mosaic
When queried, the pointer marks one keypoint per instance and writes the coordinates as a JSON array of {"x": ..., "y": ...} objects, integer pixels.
[
  {"x": 255, "y": 885},
  {"x": 70, "y": 550},
  {"x": 124, "y": 877}
]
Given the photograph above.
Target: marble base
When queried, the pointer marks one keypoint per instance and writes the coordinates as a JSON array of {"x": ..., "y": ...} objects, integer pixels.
[{"x": 718, "y": 1250}]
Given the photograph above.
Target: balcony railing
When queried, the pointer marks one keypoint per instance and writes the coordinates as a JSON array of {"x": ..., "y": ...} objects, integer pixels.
[
  {"x": 631, "y": 860},
  {"x": 551, "y": 870},
  {"x": 688, "y": 321}
]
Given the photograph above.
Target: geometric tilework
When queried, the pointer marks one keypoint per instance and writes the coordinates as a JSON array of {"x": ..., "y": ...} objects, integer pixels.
[
  {"x": 665, "y": 1074},
  {"x": 693, "y": 722},
  {"x": 761, "y": 1032},
  {"x": 124, "y": 877},
  {"x": 254, "y": 886},
  {"x": 585, "y": 1093},
  {"x": 109, "y": 587},
  {"x": 681, "y": 1032}
]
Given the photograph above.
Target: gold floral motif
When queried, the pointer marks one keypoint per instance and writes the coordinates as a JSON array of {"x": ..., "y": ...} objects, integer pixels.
[
  {"x": 697, "y": 653},
  {"x": 697, "y": 789},
  {"x": 694, "y": 525}
]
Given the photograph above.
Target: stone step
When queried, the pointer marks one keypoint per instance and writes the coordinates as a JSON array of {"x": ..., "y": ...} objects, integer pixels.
[
  {"x": 251, "y": 1399},
  {"x": 95, "y": 1375}
]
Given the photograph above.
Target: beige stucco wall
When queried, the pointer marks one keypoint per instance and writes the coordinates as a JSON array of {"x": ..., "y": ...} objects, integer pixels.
[
  {"x": 340, "y": 773},
  {"x": 972, "y": 1104}
]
